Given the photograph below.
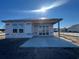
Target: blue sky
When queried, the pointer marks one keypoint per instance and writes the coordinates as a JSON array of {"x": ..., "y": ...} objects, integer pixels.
[{"x": 13, "y": 9}]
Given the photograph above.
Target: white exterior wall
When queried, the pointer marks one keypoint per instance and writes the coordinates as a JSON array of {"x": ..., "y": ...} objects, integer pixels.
[
  {"x": 38, "y": 28},
  {"x": 51, "y": 30},
  {"x": 8, "y": 30},
  {"x": 27, "y": 27}
]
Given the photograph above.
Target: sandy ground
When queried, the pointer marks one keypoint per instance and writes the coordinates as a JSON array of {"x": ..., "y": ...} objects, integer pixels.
[
  {"x": 74, "y": 37},
  {"x": 2, "y": 36}
]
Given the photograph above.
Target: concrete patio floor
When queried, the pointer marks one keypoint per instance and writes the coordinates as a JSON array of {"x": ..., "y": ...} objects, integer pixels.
[{"x": 47, "y": 42}]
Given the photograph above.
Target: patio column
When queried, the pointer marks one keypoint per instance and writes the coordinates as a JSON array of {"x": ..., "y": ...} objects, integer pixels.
[{"x": 59, "y": 29}]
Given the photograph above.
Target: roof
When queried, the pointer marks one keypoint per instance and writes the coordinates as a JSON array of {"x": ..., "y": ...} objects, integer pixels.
[{"x": 53, "y": 20}]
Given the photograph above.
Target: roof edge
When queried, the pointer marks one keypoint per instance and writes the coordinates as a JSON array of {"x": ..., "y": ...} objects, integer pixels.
[{"x": 13, "y": 20}]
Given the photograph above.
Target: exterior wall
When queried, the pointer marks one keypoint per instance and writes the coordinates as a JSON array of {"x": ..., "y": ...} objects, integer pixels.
[
  {"x": 51, "y": 30},
  {"x": 73, "y": 30},
  {"x": 27, "y": 27},
  {"x": 43, "y": 28}
]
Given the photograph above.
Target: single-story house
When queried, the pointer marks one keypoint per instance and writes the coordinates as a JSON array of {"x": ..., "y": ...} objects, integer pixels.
[
  {"x": 74, "y": 28},
  {"x": 28, "y": 28}
]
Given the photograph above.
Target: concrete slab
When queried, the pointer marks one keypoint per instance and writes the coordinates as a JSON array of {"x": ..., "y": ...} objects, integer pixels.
[{"x": 47, "y": 42}]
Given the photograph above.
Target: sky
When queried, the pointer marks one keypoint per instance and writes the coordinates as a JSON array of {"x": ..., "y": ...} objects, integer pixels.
[{"x": 22, "y": 9}]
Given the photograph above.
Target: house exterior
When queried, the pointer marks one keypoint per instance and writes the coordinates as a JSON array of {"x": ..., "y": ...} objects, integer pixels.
[
  {"x": 74, "y": 28},
  {"x": 28, "y": 28}
]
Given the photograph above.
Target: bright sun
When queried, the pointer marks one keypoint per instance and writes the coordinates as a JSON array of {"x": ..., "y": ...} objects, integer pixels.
[
  {"x": 55, "y": 4},
  {"x": 43, "y": 18},
  {"x": 43, "y": 10}
]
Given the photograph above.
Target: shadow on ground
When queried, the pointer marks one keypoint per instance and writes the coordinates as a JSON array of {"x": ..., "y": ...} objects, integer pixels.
[{"x": 11, "y": 50}]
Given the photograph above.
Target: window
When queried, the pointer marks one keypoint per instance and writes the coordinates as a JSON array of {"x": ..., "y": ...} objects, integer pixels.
[
  {"x": 21, "y": 31},
  {"x": 27, "y": 23},
  {"x": 47, "y": 33},
  {"x": 40, "y": 33},
  {"x": 14, "y": 24},
  {"x": 7, "y": 24},
  {"x": 35, "y": 26},
  {"x": 40, "y": 26},
  {"x": 35, "y": 33},
  {"x": 14, "y": 30},
  {"x": 21, "y": 25},
  {"x": 43, "y": 33},
  {"x": 29, "y": 33}
]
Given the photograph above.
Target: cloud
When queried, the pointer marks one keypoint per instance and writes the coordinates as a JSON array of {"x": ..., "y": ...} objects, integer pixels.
[{"x": 55, "y": 4}]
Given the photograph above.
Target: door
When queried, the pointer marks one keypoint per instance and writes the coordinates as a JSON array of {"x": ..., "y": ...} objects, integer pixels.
[
  {"x": 43, "y": 30},
  {"x": 43, "y": 33}
]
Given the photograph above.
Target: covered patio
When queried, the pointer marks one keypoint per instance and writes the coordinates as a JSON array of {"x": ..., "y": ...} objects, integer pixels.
[
  {"x": 44, "y": 27},
  {"x": 47, "y": 42}
]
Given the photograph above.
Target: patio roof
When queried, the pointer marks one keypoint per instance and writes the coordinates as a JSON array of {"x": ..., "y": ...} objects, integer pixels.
[{"x": 53, "y": 20}]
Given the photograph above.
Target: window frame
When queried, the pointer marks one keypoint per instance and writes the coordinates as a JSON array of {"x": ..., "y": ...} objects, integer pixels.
[
  {"x": 15, "y": 30},
  {"x": 21, "y": 30}
]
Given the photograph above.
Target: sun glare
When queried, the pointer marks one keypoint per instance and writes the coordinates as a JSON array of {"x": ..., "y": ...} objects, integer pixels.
[
  {"x": 43, "y": 10},
  {"x": 43, "y": 18},
  {"x": 55, "y": 4}
]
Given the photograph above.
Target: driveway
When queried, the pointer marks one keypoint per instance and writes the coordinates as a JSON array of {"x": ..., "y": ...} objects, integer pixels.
[{"x": 47, "y": 42}]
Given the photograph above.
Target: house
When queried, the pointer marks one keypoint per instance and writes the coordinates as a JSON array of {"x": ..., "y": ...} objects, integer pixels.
[
  {"x": 2, "y": 30},
  {"x": 28, "y": 28},
  {"x": 74, "y": 28}
]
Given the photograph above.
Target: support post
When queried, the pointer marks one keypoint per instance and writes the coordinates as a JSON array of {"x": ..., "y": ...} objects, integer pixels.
[{"x": 59, "y": 29}]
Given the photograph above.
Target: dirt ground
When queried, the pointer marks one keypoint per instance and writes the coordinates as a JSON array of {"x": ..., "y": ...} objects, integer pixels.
[
  {"x": 2, "y": 37},
  {"x": 68, "y": 36},
  {"x": 74, "y": 39}
]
